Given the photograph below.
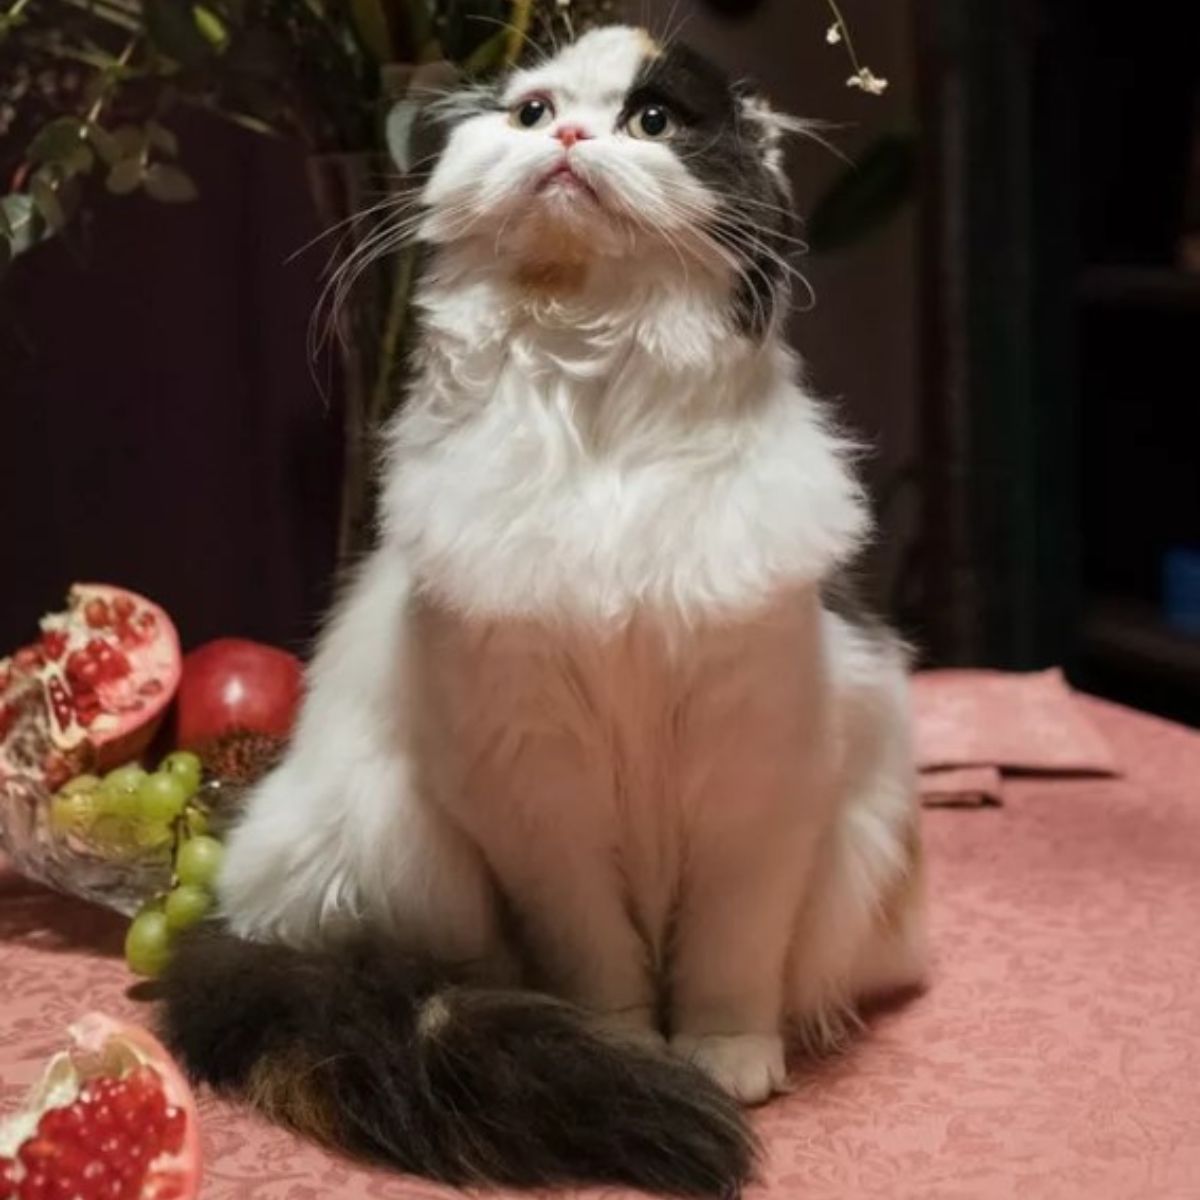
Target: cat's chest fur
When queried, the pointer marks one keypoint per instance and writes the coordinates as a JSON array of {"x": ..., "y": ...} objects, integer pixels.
[
  {"x": 537, "y": 477},
  {"x": 544, "y": 739}
]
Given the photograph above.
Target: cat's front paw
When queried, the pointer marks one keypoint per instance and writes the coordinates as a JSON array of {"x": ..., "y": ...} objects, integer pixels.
[{"x": 749, "y": 1066}]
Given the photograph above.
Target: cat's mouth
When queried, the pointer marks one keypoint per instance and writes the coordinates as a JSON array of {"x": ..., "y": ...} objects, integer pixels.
[{"x": 562, "y": 176}]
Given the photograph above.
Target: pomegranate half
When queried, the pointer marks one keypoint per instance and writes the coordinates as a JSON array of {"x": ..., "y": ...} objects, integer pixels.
[
  {"x": 91, "y": 692},
  {"x": 111, "y": 1119}
]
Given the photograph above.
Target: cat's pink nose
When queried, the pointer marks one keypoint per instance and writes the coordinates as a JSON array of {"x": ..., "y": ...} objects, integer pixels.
[{"x": 570, "y": 134}]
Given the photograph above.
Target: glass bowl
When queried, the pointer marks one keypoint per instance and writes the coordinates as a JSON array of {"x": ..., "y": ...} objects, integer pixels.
[{"x": 110, "y": 860}]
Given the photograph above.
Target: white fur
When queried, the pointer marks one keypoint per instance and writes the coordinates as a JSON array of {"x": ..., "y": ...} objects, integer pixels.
[{"x": 588, "y": 667}]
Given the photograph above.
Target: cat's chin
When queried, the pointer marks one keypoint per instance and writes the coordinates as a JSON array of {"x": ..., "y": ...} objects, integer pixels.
[
  {"x": 563, "y": 186},
  {"x": 558, "y": 241}
]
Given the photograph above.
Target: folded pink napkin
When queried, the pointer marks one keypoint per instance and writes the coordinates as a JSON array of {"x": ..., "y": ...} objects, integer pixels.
[
  {"x": 961, "y": 787},
  {"x": 972, "y": 726}
]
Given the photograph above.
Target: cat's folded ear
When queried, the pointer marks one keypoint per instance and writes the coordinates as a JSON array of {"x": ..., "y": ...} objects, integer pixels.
[{"x": 768, "y": 125}]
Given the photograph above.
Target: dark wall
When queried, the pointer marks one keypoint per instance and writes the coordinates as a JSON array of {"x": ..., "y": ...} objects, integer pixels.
[{"x": 158, "y": 423}]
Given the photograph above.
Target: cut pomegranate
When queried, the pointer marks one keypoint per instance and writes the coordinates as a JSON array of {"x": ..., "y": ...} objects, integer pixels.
[
  {"x": 92, "y": 691},
  {"x": 112, "y": 1119}
]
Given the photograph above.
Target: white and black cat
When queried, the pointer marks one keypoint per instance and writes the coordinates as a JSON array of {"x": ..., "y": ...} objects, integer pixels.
[{"x": 584, "y": 723}]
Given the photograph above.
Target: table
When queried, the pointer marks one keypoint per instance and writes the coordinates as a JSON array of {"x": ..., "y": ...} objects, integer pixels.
[{"x": 1055, "y": 1057}]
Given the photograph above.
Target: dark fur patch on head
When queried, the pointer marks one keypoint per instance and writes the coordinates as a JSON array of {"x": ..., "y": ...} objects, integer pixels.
[{"x": 729, "y": 153}]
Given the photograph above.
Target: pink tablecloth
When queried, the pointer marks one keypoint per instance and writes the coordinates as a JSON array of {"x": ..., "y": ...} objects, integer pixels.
[{"x": 1056, "y": 1057}]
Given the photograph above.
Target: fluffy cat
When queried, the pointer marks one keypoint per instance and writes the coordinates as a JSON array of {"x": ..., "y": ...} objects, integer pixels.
[{"x": 586, "y": 722}]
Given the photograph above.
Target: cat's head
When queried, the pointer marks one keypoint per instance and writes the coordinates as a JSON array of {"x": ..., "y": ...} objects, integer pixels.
[{"x": 617, "y": 150}]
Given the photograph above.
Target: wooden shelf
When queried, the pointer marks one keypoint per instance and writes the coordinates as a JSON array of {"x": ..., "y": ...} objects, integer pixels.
[
  {"x": 1141, "y": 287},
  {"x": 1134, "y": 637}
]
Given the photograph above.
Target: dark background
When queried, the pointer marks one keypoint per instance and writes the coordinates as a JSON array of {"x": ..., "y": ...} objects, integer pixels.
[{"x": 1021, "y": 343}]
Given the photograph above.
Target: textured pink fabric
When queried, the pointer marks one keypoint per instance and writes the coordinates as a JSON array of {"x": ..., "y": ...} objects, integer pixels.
[
  {"x": 1031, "y": 722},
  {"x": 1055, "y": 1057}
]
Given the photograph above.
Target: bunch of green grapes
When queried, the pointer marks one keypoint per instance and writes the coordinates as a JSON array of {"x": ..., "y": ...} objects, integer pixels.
[
  {"x": 132, "y": 810},
  {"x": 168, "y": 795}
]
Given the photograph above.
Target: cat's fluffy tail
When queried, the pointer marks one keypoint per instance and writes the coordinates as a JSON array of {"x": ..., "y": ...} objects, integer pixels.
[{"x": 388, "y": 1058}]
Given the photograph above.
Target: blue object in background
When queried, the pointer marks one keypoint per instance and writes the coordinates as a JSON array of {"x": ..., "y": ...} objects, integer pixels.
[{"x": 1181, "y": 589}]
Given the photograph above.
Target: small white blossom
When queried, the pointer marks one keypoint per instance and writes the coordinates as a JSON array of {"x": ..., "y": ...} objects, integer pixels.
[
  {"x": 833, "y": 34},
  {"x": 867, "y": 81}
]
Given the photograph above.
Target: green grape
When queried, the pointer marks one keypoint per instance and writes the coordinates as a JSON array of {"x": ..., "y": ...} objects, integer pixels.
[
  {"x": 187, "y": 905},
  {"x": 186, "y": 766},
  {"x": 73, "y": 812},
  {"x": 125, "y": 779},
  {"x": 120, "y": 806},
  {"x": 112, "y": 829},
  {"x": 161, "y": 797},
  {"x": 197, "y": 820},
  {"x": 79, "y": 785},
  {"x": 199, "y": 861},
  {"x": 148, "y": 943},
  {"x": 149, "y": 836},
  {"x": 118, "y": 791}
]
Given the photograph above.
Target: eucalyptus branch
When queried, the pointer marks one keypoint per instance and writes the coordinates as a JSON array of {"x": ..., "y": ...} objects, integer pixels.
[
  {"x": 113, "y": 14},
  {"x": 93, "y": 113}
]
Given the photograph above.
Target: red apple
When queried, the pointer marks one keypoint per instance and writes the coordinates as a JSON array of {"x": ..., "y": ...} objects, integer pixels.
[{"x": 234, "y": 684}]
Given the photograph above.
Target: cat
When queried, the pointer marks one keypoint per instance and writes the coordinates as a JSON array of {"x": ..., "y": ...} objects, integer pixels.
[{"x": 596, "y": 796}]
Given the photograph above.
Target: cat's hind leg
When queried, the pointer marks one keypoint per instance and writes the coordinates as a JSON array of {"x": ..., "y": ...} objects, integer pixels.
[{"x": 861, "y": 930}]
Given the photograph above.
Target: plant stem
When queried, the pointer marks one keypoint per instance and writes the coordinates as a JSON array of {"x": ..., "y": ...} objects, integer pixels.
[
  {"x": 382, "y": 394},
  {"x": 114, "y": 16},
  {"x": 420, "y": 29},
  {"x": 840, "y": 22},
  {"x": 122, "y": 61},
  {"x": 518, "y": 30}
]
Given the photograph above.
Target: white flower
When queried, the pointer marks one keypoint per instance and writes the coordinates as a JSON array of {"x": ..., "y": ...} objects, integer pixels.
[
  {"x": 868, "y": 82},
  {"x": 833, "y": 34}
]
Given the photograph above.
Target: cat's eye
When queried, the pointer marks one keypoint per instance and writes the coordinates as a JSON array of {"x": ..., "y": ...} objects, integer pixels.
[
  {"x": 651, "y": 123},
  {"x": 533, "y": 112}
]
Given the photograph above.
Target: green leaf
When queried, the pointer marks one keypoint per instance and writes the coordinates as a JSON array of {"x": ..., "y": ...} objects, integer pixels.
[
  {"x": 80, "y": 161},
  {"x": 131, "y": 141},
  {"x": 55, "y": 141},
  {"x": 161, "y": 138},
  {"x": 247, "y": 121},
  {"x": 125, "y": 177},
  {"x": 170, "y": 184},
  {"x": 211, "y": 27},
  {"x": 47, "y": 203},
  {"x": 370, "y": 20},
  {"x": 18, "y": 211},
  {"x": 866, "y": 195},
  {"x": 105, "y": 145},
  {"x": 172, "y": 27}
]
